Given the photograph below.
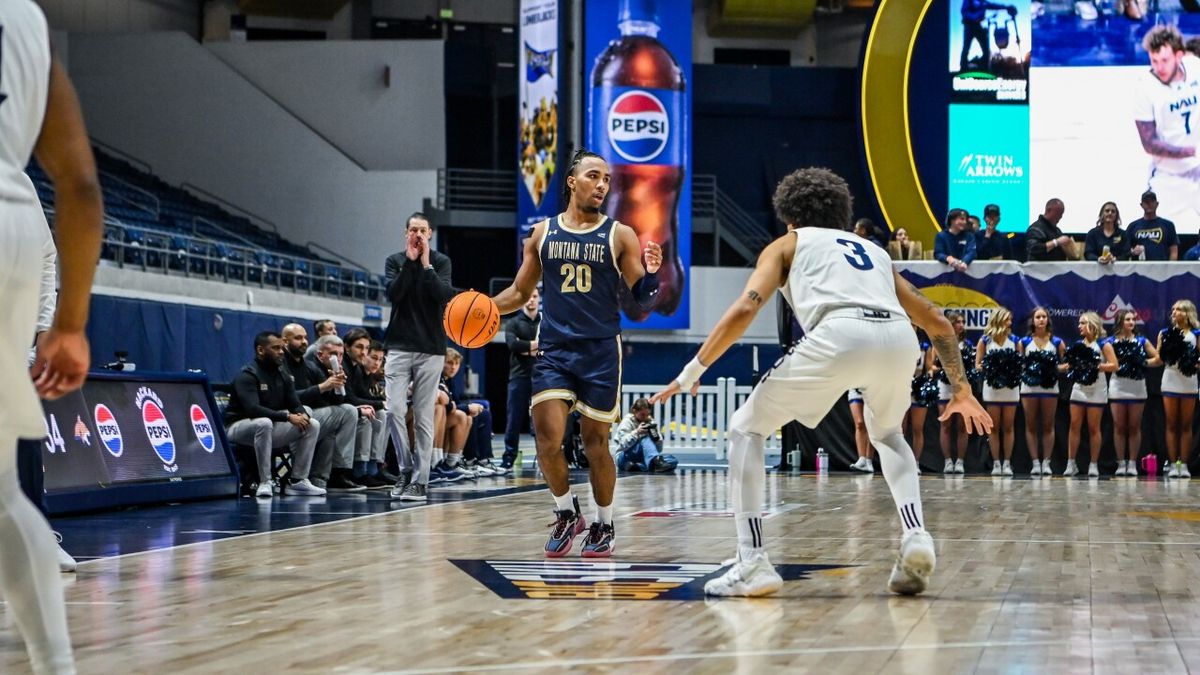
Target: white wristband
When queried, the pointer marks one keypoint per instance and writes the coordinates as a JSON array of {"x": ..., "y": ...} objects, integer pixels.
[{"x": 690, "y": 373}]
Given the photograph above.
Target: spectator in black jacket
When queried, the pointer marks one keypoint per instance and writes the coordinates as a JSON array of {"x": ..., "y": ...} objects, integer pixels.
[
  {"x": 521, "y": 333},
  {"x": 332, "y": 461},
  {"x": 990, "y": 242},
  {"x": 1106, "y": 242},
  {"x": 418, "y": 286},
  {"x": 371, "y": 407},
  {"x": 1043, "y": 240},
  {"x": 320, "y": 364},
  {"x": 265, "y": 412}
]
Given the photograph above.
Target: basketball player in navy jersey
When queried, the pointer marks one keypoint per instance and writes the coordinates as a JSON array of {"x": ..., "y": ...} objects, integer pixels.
[
  {"x": 855, "y": 311},
  {"x": 581, "y": 257},
  {"x": 39, "y": 113}
]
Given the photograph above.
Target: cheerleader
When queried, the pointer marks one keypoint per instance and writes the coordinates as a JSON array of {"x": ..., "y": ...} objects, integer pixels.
[
  {"x": 1127, "y": 389},
  {"x": 1178, "y": 389},
  {"x": 1001, "y": 380},
  {"x": 914, "y": 419},
  {"x": 1039, "y": 400},
  {"x": 1088, "y": 399},
  {"x": 955, "y": 423},
  {"x": 865, "y": 462}
]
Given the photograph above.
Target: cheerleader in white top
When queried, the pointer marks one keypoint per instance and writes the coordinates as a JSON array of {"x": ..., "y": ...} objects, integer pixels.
[
  {"x": 924, "y": 394},
  {"x": 1177, "y": 348},
  {"x": 1041, "y": 358},
  {"x": 1127, "y": 389},
  {"x": 953, "y": 425},
  {"x": 997, "y": 356},
  {"x": 1088, "y": 361}
]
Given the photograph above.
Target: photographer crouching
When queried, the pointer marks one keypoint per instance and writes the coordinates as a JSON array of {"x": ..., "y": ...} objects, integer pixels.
[{"x": 640, "y": 442}]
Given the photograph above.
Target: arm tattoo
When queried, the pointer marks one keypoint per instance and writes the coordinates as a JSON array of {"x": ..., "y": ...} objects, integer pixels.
[
  {"x": 1152, "y": 144},
  {"x": 951, "y": 358},
  {"x": 754, "y": 296}
]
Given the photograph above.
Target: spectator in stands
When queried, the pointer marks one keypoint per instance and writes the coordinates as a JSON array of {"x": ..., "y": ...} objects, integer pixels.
[
  {"x": 990, "y": 242},
  {"x": 369, "y": 460},
  {"x": 640, "y": 443},
  {"x": 321, "y": 328},
  {"x": 265, "y": 412},
  {"x": 955, "y": 246},
  {"x": 418, "y": 286},
  {"x": 901, "y": 247},
  {"x": 338, "y": 419},
  {"x": 321, "y": 364},
  {"x": 1151, "y": 237},
  {"x": 1043, "y": 240},
  {"x": 973, "y": 223},
  {"x": 520, "y": 333},
  {"x": 470, "y": 424},
  {"x": 1106, "y": 242},
  {"x": 865, "y": 228},
  {"x": 377, "y": 385}
]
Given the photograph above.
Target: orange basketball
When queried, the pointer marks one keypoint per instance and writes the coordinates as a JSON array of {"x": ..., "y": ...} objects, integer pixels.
[{"x": 471, "y": 319}]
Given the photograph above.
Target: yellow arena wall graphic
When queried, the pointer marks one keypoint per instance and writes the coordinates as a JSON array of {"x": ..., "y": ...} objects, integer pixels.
[
  {"x": 976, "y": 307},
  {"x": 887, "y": 136}
]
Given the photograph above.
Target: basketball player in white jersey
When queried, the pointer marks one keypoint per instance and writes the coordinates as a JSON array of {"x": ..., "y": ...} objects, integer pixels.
[
  {"x": 1167, "y": 114},
  {"x": 855, "y": 311},
  {"x": 39, "y": 113}
]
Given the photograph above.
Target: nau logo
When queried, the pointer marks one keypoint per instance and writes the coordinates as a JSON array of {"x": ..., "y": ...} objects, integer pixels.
[
  {"x": 82, "y": 433},
  {"x": 158, "y": 431},
  {"x": 975, "y": 307},
  {"x": 110, "y": 432},
  {"x": 589, "y": 580},
  {"x": 204, "y": 431},
  {"x": 638, "y": 126}
]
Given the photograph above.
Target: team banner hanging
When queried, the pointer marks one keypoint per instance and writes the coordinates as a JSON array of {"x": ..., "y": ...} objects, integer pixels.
[
  {"x": 638, "y": 62},
  {"x": 537, "y": 144},
  {"x": 1066, "y": 290}
]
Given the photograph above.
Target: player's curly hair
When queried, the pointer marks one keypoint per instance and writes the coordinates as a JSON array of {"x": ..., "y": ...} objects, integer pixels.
[
  {"x": 1162, "y": 35},
  {"x": 814, "y": 197}
]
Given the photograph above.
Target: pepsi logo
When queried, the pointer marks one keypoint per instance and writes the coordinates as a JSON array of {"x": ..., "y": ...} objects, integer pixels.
[
  {"x": 159, "y": 432},
  {"x": 203, "y": 429},
  {"x": 110, "y": 432},
  {"x": 638, "y": 126}
]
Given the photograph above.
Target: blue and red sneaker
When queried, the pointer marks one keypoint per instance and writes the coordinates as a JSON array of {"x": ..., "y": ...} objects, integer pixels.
[
  {"x": 600, "y": 542},
  {"x": 567, "y": 524}
]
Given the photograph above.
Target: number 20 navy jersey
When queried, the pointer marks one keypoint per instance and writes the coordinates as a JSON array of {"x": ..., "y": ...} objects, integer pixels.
[{"x": 580, "y": 281}]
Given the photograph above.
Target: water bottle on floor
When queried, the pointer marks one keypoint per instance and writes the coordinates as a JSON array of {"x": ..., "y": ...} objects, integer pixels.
[{"x": 822, "y": 461}]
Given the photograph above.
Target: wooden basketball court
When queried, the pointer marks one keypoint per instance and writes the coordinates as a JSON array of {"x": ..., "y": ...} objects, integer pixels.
[{"x": 1034, "y": 575}]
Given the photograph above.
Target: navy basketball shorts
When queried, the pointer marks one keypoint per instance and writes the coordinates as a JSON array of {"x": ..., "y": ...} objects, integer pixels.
[{"x": 584, "y": 373}]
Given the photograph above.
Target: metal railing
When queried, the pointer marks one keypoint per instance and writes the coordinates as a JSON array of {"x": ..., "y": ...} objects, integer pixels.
[
  {"x": 732, "y": 224},
  {"x": 153, "y": 205},
  {"x": 170, "y": 252},
  {"x": 477, "y": 190},
  {"x": 699, "y": 424}
]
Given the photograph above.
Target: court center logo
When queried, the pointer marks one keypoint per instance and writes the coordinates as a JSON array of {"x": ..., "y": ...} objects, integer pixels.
[
  {"x": 638, "y": 126},
  {"x": 109, "y": 430},
  {"x": 204, "y": 431},
  {"x": 607, "y": 580},
  {"x": 975, "y": 307},
  {"x": 158, "y": 431}
]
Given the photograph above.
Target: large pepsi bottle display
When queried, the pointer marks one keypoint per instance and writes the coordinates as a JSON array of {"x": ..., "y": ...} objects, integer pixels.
[{"x": 638, "y": 120}]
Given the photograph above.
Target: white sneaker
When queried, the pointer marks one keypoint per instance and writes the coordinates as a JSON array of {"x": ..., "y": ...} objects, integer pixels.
[
  {"x": 959, "y": 467},
  {"x": 1120, "y": 469},
  {"x": 1037, "y": 468},
  {"x": 264, "y": 491},
  {"x": 863, "y": 465},
  {"x": 997, "y": 467},
  {"x": 1174, "y": 472},
  {"x": 305, "y": 487},
  {"x": 1131, "y": 468},
  {"x": 948, "y": 467},
  {"x": 1007, "y": 470},
  {"x": 749, "y": 577},
  {"x": 1093, "y": 470},
  {"x": 1046, "y": 470},
  {"x": 1072, "y": 469},
  {"x": 1183, "y": 470},
  {"x": 65, "y": 562},
  {"x": 484, "y": 468},
  {"x": 910, "y": 574},
  {"x": 1086, "y": 10}
]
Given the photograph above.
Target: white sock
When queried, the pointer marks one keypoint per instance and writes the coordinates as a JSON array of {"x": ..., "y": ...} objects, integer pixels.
[
  {"x": 604, "y": 514},
  {"x": 747, "y": 476},
  {"x": 29, "y": 576},
  {"x": 900, "y": 471},
  {"x": 454, "y": 458},
  {"x": 564, "y": 503},
  {"x": 438, "y": 455}
]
